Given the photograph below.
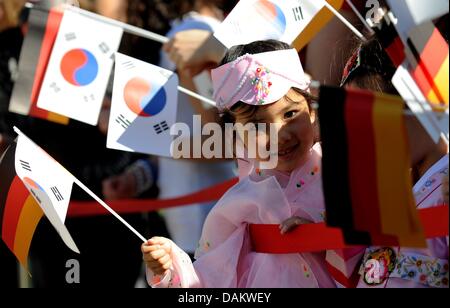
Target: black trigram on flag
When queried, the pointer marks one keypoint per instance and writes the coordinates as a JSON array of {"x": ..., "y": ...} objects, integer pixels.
[
  {"x": 104, "y": 48},
  {"x": 70, "y": 36},
  {"x": 57, "y": 194},
  {"x": 166, "y": 74},
  {"x": 128, "y": 65},
  {"x": 25, "y": 165},
  {"x": 121, "y": 120},
  {"x": 161, "y": 127},
  {"x": 298, "y": 13},
  {"x": 88, "y": 98},
  {"x": 55, "y": 87}
]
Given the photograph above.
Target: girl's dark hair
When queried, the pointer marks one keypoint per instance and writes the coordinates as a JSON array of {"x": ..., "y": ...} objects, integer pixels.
[
  {"x": 235, "y": 52},
  {"x": 371, "y": 68}
]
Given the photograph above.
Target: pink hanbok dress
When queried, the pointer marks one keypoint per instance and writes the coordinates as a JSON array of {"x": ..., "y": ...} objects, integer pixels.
[{"x": 224, "y": 258}]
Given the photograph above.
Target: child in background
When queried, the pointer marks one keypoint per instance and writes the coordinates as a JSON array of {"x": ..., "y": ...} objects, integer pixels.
[
  {"x": 370, "y": 68},
  {"x": 289, "y": 195}
]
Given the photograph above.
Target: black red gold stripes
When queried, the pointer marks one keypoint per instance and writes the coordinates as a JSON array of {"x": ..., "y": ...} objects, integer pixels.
[
  {"x": 390, "y": 40},
  {"x": 429, "y": 56},
  {"x": 19, "y": 212},
  {"x": 51, "y": 31},
  {"x": 336, "y": 165},
  {"x": 366, "y": 165},
  {"x": 38, "y": 44}
]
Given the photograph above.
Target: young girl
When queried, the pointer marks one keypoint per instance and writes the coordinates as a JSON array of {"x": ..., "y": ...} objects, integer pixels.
[
  {"x": 370, "y": 68},
  {"x": 262, "y": 82}
]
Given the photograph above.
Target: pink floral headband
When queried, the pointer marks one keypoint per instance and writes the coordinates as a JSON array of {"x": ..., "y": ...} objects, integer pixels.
[{"x": 259, "y": 79}]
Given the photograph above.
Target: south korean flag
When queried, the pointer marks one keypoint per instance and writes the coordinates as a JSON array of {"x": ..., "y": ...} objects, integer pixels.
[
  {"x": 144, "y": 107},
  {"x": 48, "y": 182},
  {"x": 253, "y": 20},
  {"x": 80, "y": 66}
]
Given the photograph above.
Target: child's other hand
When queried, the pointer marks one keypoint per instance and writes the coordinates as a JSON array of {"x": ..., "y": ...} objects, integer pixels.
[
  {"x": 157, "y": 255},
  {"x": 290, "y": 224}
]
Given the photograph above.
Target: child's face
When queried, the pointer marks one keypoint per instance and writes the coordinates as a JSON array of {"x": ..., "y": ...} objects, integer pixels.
[{"x": 295, "y": 125}]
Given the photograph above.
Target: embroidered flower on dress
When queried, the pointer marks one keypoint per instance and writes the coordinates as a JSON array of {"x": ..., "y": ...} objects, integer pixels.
[
  {"x": 379, "y": 265},
  {"x": 261, "y": 84},
  {"x": 301, "y": 184},
  {"x": 306, "y": 271},
  {"x": 175, "y": 281},
  {"x": 426, "y": 271}
]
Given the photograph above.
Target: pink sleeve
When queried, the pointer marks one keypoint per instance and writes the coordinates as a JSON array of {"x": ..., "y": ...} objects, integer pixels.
[
  {"x": 181, "y": 275},
  {"x": 216, "y": 266},
  {"x": 224, "y": 242}
]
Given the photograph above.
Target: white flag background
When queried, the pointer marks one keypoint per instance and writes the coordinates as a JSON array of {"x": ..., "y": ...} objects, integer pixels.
[
  {"x": 253, "y": 20},
  {"x": 144, "y": 107},
  {"x": 79, "y": 69},
  {"x": 434, "y": 123},
  {"x": 48, "y": 182}
]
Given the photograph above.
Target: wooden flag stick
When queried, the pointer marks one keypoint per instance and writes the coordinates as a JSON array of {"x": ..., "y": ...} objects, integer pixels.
[
  {"x": 94, "y": 196},
  {"x": 197, "y": 96},
  {"x": 344, "y": 21},
  {"x": 109, "y": 209},
  {"x": 135, "y": 31},
  {"x": 144, "y": 34},
  {"x": 355, "y": 10},
  {"x": 126, "y": 27}
]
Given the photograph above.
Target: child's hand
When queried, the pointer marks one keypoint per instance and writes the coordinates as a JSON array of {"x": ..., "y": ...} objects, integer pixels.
[
  {"x": 291, "y": 223},
  {"x": 157, "y": 255}
]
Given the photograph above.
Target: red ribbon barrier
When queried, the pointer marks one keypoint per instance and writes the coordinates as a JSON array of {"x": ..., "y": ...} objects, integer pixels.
[
  {"x": 319, "y": 237},
  {"x": 83, "y": 209},
  {"x": 265, "y": 238}
]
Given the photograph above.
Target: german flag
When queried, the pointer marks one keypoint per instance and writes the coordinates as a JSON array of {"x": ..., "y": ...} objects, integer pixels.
[
  {"x": 318, "y": 23},
  {"x": 336, "y": 189},
  {"x": 19, "y": 212},
  {"x": 390, "y": 40},
  {"x": 43, "y": 28},
  {"x": 51, "y": 31},
  {"x": 428, "y": 55},
  {"x": 366, "y": 164}
]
